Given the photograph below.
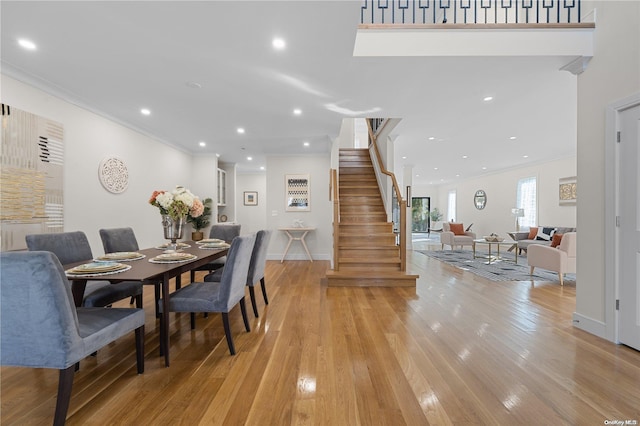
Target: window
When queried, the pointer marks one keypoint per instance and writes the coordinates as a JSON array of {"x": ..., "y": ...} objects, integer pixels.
[
  {"x": 527, "y": 199},
  {"x": 451, "y": 206}
]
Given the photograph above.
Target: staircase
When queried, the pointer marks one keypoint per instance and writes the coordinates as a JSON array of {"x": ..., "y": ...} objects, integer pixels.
[{"x": 367, "y": 253}]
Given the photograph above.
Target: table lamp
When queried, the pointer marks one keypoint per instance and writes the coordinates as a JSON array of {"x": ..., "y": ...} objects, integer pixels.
[{"x": 518, "y": 213}]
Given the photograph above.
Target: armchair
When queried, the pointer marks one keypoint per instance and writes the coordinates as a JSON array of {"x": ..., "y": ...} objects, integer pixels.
[
  {"x": 453, "y": 234},
  {"x": 561, "y": 259}
]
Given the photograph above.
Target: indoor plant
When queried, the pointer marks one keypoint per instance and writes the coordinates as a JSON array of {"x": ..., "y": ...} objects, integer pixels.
[{"x": 200, "y": 222}]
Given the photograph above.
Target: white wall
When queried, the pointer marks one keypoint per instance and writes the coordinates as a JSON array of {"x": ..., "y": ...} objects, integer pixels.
[
  {"x": 501, "y": 197},
  {"x": 90, "y": 138},
  {"x": 612, "y": 74},
  {"x": 319, "y": 241},
  {"x": 252, "y": 218}
]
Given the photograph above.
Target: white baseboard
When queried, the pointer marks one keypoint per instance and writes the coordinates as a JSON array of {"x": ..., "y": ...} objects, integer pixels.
[
  {"x": 300, "y": 256},
  {"x": 590, "y": 325}
]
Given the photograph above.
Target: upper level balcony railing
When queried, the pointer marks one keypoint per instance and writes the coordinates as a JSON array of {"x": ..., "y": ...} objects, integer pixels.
[{"x": 470, "y": 12}]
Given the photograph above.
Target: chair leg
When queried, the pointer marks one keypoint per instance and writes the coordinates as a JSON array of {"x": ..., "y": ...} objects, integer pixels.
[
  {"x": 139, "y": 301},
  {"x": 133, "y": 298},
  {"x": 252, "y": 295},
  {"x": 561, "y": 275},
  {"x": 227, "y": 332},
  {"x": 140, "y": 349},
  {"x": 193, "y": 320},
  {"x": 243, "y": 308},
  {"x": 65, "y": 383},
  {"x": 178, "y": 282},
  {"x": 531, "y": 270},
  {"x": 193, "y": 276},
  {"x": 264, "y": 291}
]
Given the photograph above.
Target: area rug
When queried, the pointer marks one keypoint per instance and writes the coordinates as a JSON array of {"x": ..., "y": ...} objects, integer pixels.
[{"x": 498, "y": 270}]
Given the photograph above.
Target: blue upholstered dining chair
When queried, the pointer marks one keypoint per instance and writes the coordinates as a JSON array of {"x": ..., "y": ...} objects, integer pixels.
[
  {"x": 72, "y": 247},
  {"x": 220, "y": 296},
  {"x": 122, "y": 240},
  {"x": 256, "y": 269},
  {"x": 225, "y": 232},
  {"x": 41, "y": 328}
]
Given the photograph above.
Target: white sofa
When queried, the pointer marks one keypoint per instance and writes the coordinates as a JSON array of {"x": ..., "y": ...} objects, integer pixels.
[
  {"x": 447, "y": 237},
  {"x": 524, "y": 242},
  {"x": 561, "y": 259}
]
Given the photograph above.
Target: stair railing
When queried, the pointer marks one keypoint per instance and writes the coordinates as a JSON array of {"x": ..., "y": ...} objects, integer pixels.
[
  {"x": 334, "y": 195},
  {"x": 398, "y": 203}
]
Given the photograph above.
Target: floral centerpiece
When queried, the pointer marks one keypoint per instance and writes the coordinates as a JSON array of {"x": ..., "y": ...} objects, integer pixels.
[
  {"x": 178, "y": 203},
  {"x": 174, "y": 207}
]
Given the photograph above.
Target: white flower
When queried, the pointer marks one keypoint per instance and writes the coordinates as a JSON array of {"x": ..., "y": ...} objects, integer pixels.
[{"x": 165, "y": 200}]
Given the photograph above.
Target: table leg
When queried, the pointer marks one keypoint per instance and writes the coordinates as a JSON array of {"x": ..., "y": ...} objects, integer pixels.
[
  {"x": 305, "y": 245},
  {"x": 288, "y": 245},
  {"x": 164, "y": 329},
  {"x": 77, "y": 289},
  {"x": 474, "y": 249}
]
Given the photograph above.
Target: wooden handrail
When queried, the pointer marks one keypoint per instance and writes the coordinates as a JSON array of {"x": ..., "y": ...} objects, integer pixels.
[
  {"x": 396, "y": 188},
  {"x": 334, "y": 193}
]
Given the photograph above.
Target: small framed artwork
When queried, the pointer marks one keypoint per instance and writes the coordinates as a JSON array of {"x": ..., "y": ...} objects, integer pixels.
[
  {"x": 250, "y": 198},
  {"x": 568, "y": 194},
  {"x": 297, "y": 193}
]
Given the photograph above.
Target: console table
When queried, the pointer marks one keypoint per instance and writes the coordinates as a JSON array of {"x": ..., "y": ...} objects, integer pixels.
[{"x": 291, "y": 233}]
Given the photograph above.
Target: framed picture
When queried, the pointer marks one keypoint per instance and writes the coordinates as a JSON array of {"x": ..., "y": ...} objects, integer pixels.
[
  {"x": 250, "y": 198},
  {"x": 568, "y": 191},
  {"x": 297, "y": 193}
]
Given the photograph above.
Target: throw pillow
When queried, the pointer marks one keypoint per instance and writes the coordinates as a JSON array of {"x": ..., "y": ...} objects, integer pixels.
[
  {"x": 457, "y": 228},
  {"x": 556, "y": 239},
  {"x": 545, "y": 234},
  {"x": 533, "y": 231}
]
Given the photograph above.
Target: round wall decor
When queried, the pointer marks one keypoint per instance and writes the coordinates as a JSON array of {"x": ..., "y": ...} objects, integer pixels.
[{"x": 113, "y": 175}]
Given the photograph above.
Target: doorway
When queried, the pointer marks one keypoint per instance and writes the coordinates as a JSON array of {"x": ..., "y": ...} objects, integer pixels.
[{"x": 420, "y": 210}]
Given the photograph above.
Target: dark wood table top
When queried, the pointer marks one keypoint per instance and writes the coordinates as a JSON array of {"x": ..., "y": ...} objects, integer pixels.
[{"x": 143, "y": 270}]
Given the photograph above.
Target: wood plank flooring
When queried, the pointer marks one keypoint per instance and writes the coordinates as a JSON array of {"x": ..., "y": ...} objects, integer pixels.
[{"x": 457, "y": 350}]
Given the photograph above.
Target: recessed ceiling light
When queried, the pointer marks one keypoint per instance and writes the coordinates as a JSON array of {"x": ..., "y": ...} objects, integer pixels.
[
  {"x": 145, "y": 111},
  {"x": 278, "y": 43},
  {"x": 217, "y": 155},
  {"x": 484, "y": 168},
  {"x": 297, "y": 111},
  {"x": 249, "y": 158},
  {"x": 431, "y": 138},
  {"x": 525, "y": 156},
  {"x": 417, "y": 175},
  {"x": 404, "y": 158},
  {"x": 261, "y": 167},
  {"x": 240, "y": 130},
  {"x": 488, "y": 98},
  {"x": 27, "y": 44},
  {"x": 202, "y": 144},
  {"x": 457, "y": 175},
  {"x": 465, "y": 156},
  {"x": 435, "y": 168},
  {"x": 306, "y": 144},
  {"x": 512, "y": 137}
]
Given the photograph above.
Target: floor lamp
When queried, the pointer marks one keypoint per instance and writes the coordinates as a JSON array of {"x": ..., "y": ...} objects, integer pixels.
[{"x": 518, "y": 213}]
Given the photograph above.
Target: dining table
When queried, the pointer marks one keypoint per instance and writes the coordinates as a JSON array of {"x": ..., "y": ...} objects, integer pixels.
[{"x": 151, "y": 272}]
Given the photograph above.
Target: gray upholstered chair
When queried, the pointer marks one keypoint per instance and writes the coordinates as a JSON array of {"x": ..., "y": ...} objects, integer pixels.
[
  {"x": 72, "y": 247},
  {"x": 226, "y": 232},
  {"x": 256, "y": 269},
  {"x": 124, "y": 239},
  {"x": 41, "y": 328},
  {"x": 220, "y": 296}
]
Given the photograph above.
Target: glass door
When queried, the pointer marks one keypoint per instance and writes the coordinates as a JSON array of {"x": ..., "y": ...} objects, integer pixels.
[{"x": 420, "y": 209}]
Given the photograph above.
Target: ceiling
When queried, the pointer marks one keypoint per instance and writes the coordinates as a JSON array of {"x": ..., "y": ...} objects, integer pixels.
[{"x": 205, "y": 68}]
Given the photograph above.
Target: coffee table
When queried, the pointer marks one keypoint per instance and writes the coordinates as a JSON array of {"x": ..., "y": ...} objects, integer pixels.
[{"x": 490, "y": 244}]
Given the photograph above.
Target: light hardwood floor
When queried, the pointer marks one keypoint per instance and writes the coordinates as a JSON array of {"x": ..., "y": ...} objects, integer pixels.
[{"x": 457, "y": 350}]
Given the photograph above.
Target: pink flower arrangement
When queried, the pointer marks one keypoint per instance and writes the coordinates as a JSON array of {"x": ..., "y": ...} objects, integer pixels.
[{"x": 177, "y": 203}]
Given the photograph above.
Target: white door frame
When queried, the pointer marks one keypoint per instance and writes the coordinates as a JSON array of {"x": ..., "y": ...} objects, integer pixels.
[{"x": 612, "y": 196}]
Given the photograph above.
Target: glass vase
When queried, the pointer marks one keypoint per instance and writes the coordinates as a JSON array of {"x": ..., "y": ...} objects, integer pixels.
[{"x": 173, "y": 229}]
